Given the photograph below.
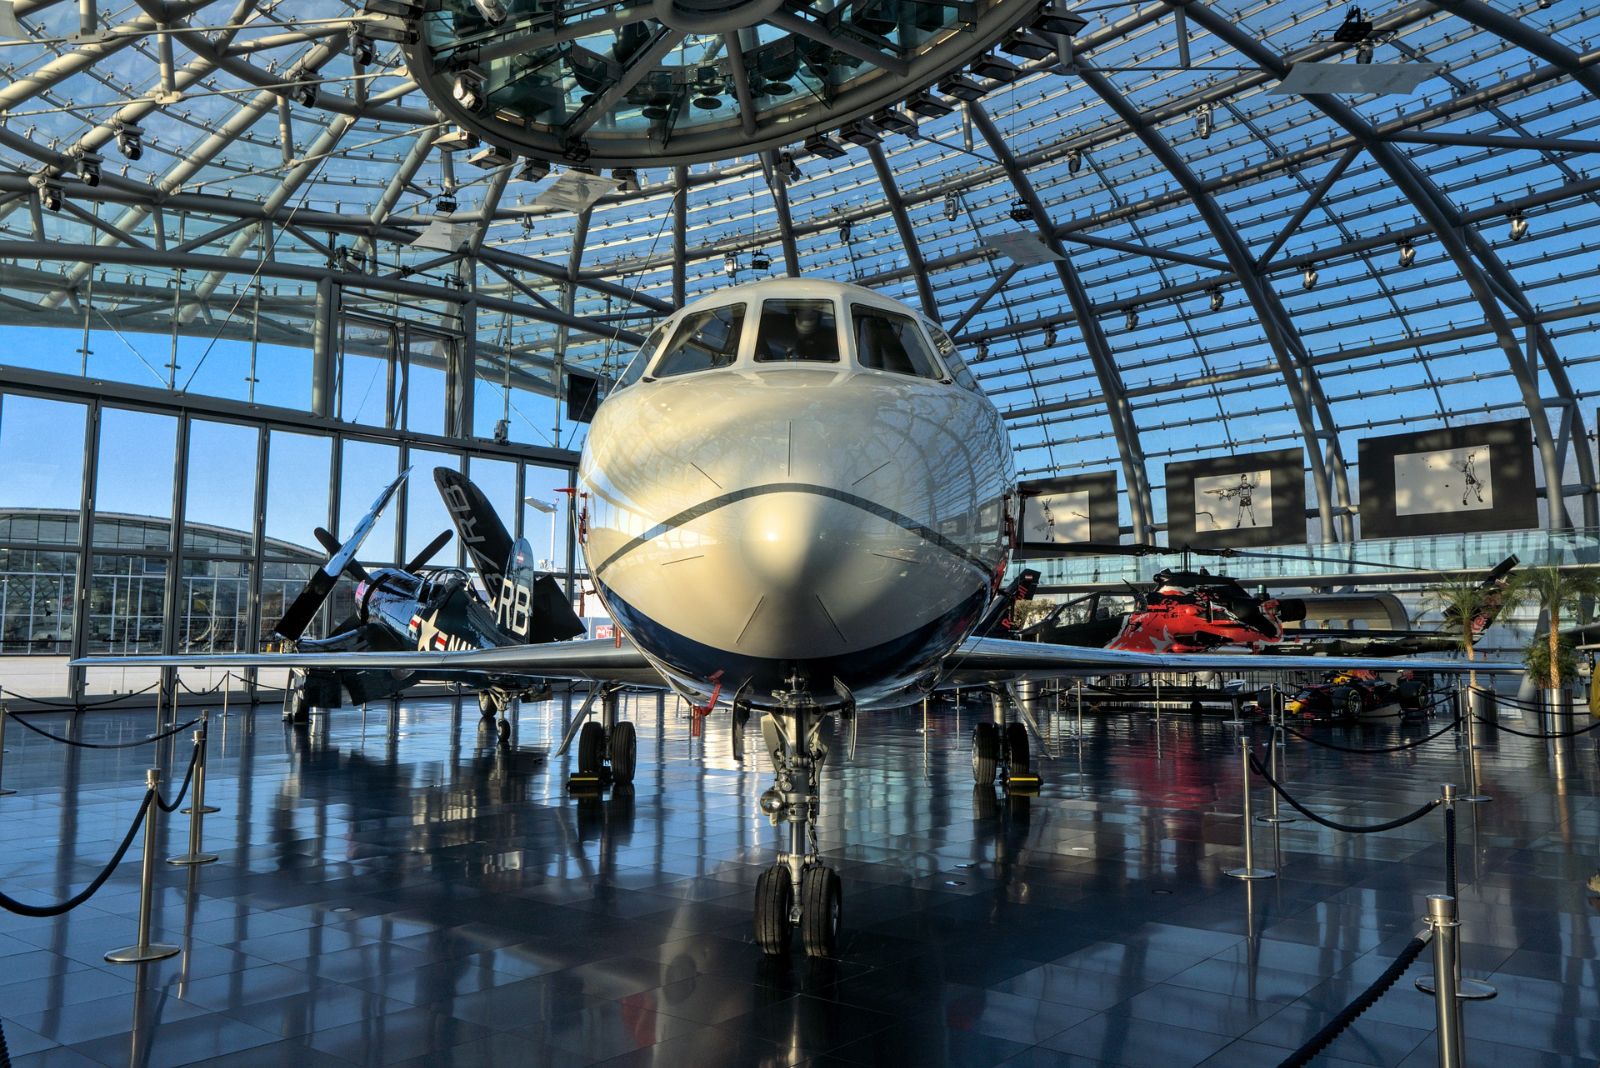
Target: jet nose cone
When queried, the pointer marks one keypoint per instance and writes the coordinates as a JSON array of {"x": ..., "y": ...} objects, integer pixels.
[{"x": 786, "y": 548}]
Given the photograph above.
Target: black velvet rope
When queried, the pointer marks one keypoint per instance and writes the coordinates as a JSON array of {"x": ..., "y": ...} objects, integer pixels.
[
  {"x": 1538, "y": 734},
  {"x": 80, "y": 705},
  {"x": 19, "y": 717},
  {"x": 1350, "y": 828},
  {"x": 11, "y": 904},
  {"x": 1364, "y": 1001},
  {"x": 188, "y": 777},
  {"x": 1383, "y": 749}
]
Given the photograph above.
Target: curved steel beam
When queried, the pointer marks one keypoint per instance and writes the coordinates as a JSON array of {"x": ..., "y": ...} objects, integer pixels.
[
  {"x": 1135, "y": 476},
  {"x": 680, "y": 231},
  {"x": 908, "y": 236},
  {"x": 1519, "y": 33},
  {"x": 1305, "y": 393},
  {"x": 1447, "y": 225},
  {"x": 780, "y": 205}
]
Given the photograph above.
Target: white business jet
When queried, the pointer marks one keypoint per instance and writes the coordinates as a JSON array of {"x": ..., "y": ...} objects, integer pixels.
[{"x": 797, "y": 500}]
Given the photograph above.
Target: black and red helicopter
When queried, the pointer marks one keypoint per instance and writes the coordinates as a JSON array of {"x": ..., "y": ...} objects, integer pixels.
[{"x": 428, "y": 609}]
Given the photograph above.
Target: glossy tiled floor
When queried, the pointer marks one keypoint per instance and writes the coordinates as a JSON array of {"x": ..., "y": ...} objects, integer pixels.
[{"x": 404, "y": 892}]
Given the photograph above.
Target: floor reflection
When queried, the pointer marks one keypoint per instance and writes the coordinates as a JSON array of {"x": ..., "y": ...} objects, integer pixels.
[{"x": 398, "y": 886}]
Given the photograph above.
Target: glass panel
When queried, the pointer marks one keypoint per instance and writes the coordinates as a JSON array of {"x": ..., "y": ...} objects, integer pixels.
[
  {"x": 133, "y": 480},
  {"x": 797, "y": 330},
  {"x": 641, "y": 359},
  {"x": 214, "y": 606},
  {"x": 366, "y": 374},
  {"x": 297, "y": 493},
  {"x": 703, "y": 341},
  {"x": 36, "y": 601},
  {"x": 498, "y": 481},
  {"x": 367, "y": 468},
  {"x": 220, "y": 504},
  {"x": 41, "y": 466},
  {"x": 425, "y": 383},
  {"x": 283, "y": 376},
  {"x": 281, "y": 583},
  {"x": 426, "y": 514},
  {"x": 125, "y": 599},
  {"x": 546, "y": 530},
  {"x": 889, "y": 342}
]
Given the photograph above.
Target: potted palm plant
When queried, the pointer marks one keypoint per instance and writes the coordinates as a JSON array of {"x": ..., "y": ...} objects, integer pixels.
[
  {"x": 1558, "y": 593},
  {"x": 1468, "y": 604}
]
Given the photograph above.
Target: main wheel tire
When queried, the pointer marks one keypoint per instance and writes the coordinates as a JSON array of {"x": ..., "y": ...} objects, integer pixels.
[
  {"x": 488, "y": 707},
  {"x": 1017, "y": 747},
  {"x": 821, "y": 901},
  {"x": 624, "y": 751},
  {"x": 774, "y": 898},
  {"x": 985, "y": 752},
  {"x": 504, "y": 730},
  {"x": 591, "y": 747}
]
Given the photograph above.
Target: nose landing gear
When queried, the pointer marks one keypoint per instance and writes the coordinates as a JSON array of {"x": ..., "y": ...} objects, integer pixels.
[
  {"x": 1000, "y": 749},
  {"x": 798, "y": 890}
]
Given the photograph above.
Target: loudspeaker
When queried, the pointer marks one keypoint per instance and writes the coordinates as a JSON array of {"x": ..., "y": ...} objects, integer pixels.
[{"x": 583, "y": 397}]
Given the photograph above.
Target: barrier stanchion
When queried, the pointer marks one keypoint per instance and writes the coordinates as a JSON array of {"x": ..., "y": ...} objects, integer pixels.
[
  {"x": 1249, "y": 871},
  {"x": 1446, "y": 953},
  {"x": 197, "y": 808},
  {"x": 1079, "y": 686},
  {"x": 1475, "y": 794},
  {"x": 199, "y": 802},
  {"x": 5, "y": 711},
  {"x": 144, "y": 951},
  {"x": 1463, "y": 989},
  {"x": 1274, "y": 816}
]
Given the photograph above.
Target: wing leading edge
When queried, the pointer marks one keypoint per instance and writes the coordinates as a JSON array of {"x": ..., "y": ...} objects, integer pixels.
[{"x": 1001, "y": 660}]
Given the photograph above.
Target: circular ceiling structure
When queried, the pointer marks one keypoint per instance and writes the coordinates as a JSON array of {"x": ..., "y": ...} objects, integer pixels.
[{"x": 681, "y": 81}]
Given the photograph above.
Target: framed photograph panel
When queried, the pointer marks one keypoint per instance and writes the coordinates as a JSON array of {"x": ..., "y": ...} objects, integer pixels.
[
  {"x": 1456, "y": 480},
  {"x": 1237, "y": 502},
  {"x": 1061, "y": 512}
]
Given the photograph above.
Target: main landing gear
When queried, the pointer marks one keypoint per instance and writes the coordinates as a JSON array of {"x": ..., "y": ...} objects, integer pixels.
[
  {"x": 798, "y": 890},
  {"x": 1000, "y": 748},
  {"x": 608, "y": 751}
]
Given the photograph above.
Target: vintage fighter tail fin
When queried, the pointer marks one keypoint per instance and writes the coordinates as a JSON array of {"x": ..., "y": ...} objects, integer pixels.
[
  {"x": 478, "y": 527},
  {"x": 530, "y": 605}
]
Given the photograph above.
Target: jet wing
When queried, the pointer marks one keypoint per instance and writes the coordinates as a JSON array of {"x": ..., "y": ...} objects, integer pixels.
[
  {"x": 981, "y": 660},
  {"x": 601, "y": 660}
]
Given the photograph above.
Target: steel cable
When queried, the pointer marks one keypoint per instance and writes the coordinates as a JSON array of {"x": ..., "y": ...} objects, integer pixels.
[
  {"x": 99, "y": 745},
  {"x": 11, "y": 904},
  {"x": 1255, "y": 766}
]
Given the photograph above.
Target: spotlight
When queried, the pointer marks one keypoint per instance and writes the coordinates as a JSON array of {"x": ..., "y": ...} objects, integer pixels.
[
  {"x": 952, "y": 207},
  {"x": 1049, "y": 337},
  {"x": 1021, "y": 211},
  {"x": 1519, "y": 224},
  {"x": 455, "y": 139},
  {"x": 1027, "y": 46},
  {"x": 787, "y": 168},
  {"x": 730, "y": 264},
  {"x": 490, "y": 156},
  {"x": 1132, "y": 318},
  {"x": 1354, "y": 29},
  {"x": 306, "y": 93},
  {"x": 1408, "y": 253},
  {"x": 445, "y": 204},
  {"x": 1308, "y": 280},
  {"x": 89, "y": 169},
  {"x": 467, "y": 90},
  {"x": 845, "y": 231},
  {"x": 962, "y": 88},
  {"x": 366, "y": 53},
  {"x": 502, "y": 432},
  {"x": 981, "y": 353},
  {"x": 130, "y": 141},
  {"x": 861, "y": 132},
  {"x": 1058, "y": 23},
  {"x": 1074, "y": 161},
  {"x": 826, "y": 147},
  {"x": 1364, "y": 52},
  {"x": 891, "y": 121},
  {"x": 760, "y": 261},
  {"x": 1001, "y": 70},
  {"x": 929, "y": 106},
  {"x": 493, "y": 11},
  {"x": 627, "y": 179},
  {"x": 50, "y": 196},
  {"x": 1202, "y": 121},
  {"x": 533, "y": 169},
  {"x": 1216, "y": 298}
]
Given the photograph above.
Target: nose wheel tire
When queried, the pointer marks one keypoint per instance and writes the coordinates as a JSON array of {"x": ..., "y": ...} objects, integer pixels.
[
  {"x": 591, "y": 749},
  {"x": 985, "y": 752},
  {"x": 624, "y": 752},
  {"x": 1017, "y": 747},
  {"x": 774, "y": 899},
  {"x": 821, "y": 898}
]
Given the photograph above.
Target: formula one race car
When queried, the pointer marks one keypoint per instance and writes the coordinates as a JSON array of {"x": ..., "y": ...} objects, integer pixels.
[{"x": 1345, "y": 697}]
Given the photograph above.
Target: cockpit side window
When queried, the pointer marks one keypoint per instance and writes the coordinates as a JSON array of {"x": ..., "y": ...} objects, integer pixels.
[
  {"x": 959, "y": 372},
  {"x": 886, "y": 341},
  {"x": 797, "y": 330},
  {"x": 635, "y": 369},
  {"x": 703, "y": 341}
]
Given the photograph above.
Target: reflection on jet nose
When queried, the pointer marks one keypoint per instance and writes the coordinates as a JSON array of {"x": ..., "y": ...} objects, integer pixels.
[{"x": 786, "y": 542}]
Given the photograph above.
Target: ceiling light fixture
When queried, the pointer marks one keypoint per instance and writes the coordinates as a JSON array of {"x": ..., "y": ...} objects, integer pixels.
[
  {"x": 962, "y": 88},
  {"x": 467, "y": 90},
  {"x": 534, "y": 169},
  {"x": 1049, "y": 337},
  {"x": 1021, "y": 211},
  {"x": 493, "y": 11},
  {"x": 89, "y": 169},
  {"x": 1074, "y": 160},
  {"x": 50, "y": 195},
  {"x": 929, "y": 106},
  {"x": 891, "y": 121},
  {"x": 981, "y": 353},
  {"x": 130, "y": 141},
  {"x": 730, "y": 264},
  {"x": 845, "y": 231},
  {"x": 1408, "y": 252},
  {"x": 306, "y": 93},
  {"x": 997, "y": 69},
  {"x": 1132, "y": 319},
  {"x": 823, "y": 146},
  {"x": 1215, "y": 293},
  {"x": 952, "y": 207},
  {"x": 760, "y": 261},
  {"x": 1308, "y": 279},
  {"x": 1519, "y": 224},
  {"x": 787, "y": 168},
  {"x": 445, "y": 203},
  {"x": 627, "y": 179},
  {"x": 1202, "y": 121}
]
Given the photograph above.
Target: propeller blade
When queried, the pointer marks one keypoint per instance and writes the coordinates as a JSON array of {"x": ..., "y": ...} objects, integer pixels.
[
  {"x": 304, "y": 609},
  {"x": 331, "y": 543},
  {"x": 428, "y": 551}
]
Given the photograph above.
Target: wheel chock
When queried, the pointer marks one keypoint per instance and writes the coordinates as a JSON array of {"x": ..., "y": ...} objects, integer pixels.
[{"x": 1023, "y": 782}]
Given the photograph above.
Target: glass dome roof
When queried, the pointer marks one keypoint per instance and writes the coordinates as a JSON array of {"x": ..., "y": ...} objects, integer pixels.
[{"x": 1216, "y": 266}]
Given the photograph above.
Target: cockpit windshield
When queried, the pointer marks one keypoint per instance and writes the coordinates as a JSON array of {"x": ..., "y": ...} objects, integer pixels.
[
  {"x": 886, "y": 341},
  {"x": 703, "y": 341},
  {"x": 797, "y": 330},
  {"x": 641, "y": 359}
]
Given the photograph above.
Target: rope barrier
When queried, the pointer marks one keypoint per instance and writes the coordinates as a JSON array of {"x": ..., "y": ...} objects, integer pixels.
[
  {"x": 1539, "y": 734},
  {"x": 18, "y": 716},
  {"x": 1350, "y": 828},
  {"x": 11, "y": 904},
  {"x": 1364, "y": 1001},
  {"x": 188, "y": 777},
  {"x": 1384, "y": 749},
  {"x": 79, "y": 705}
]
